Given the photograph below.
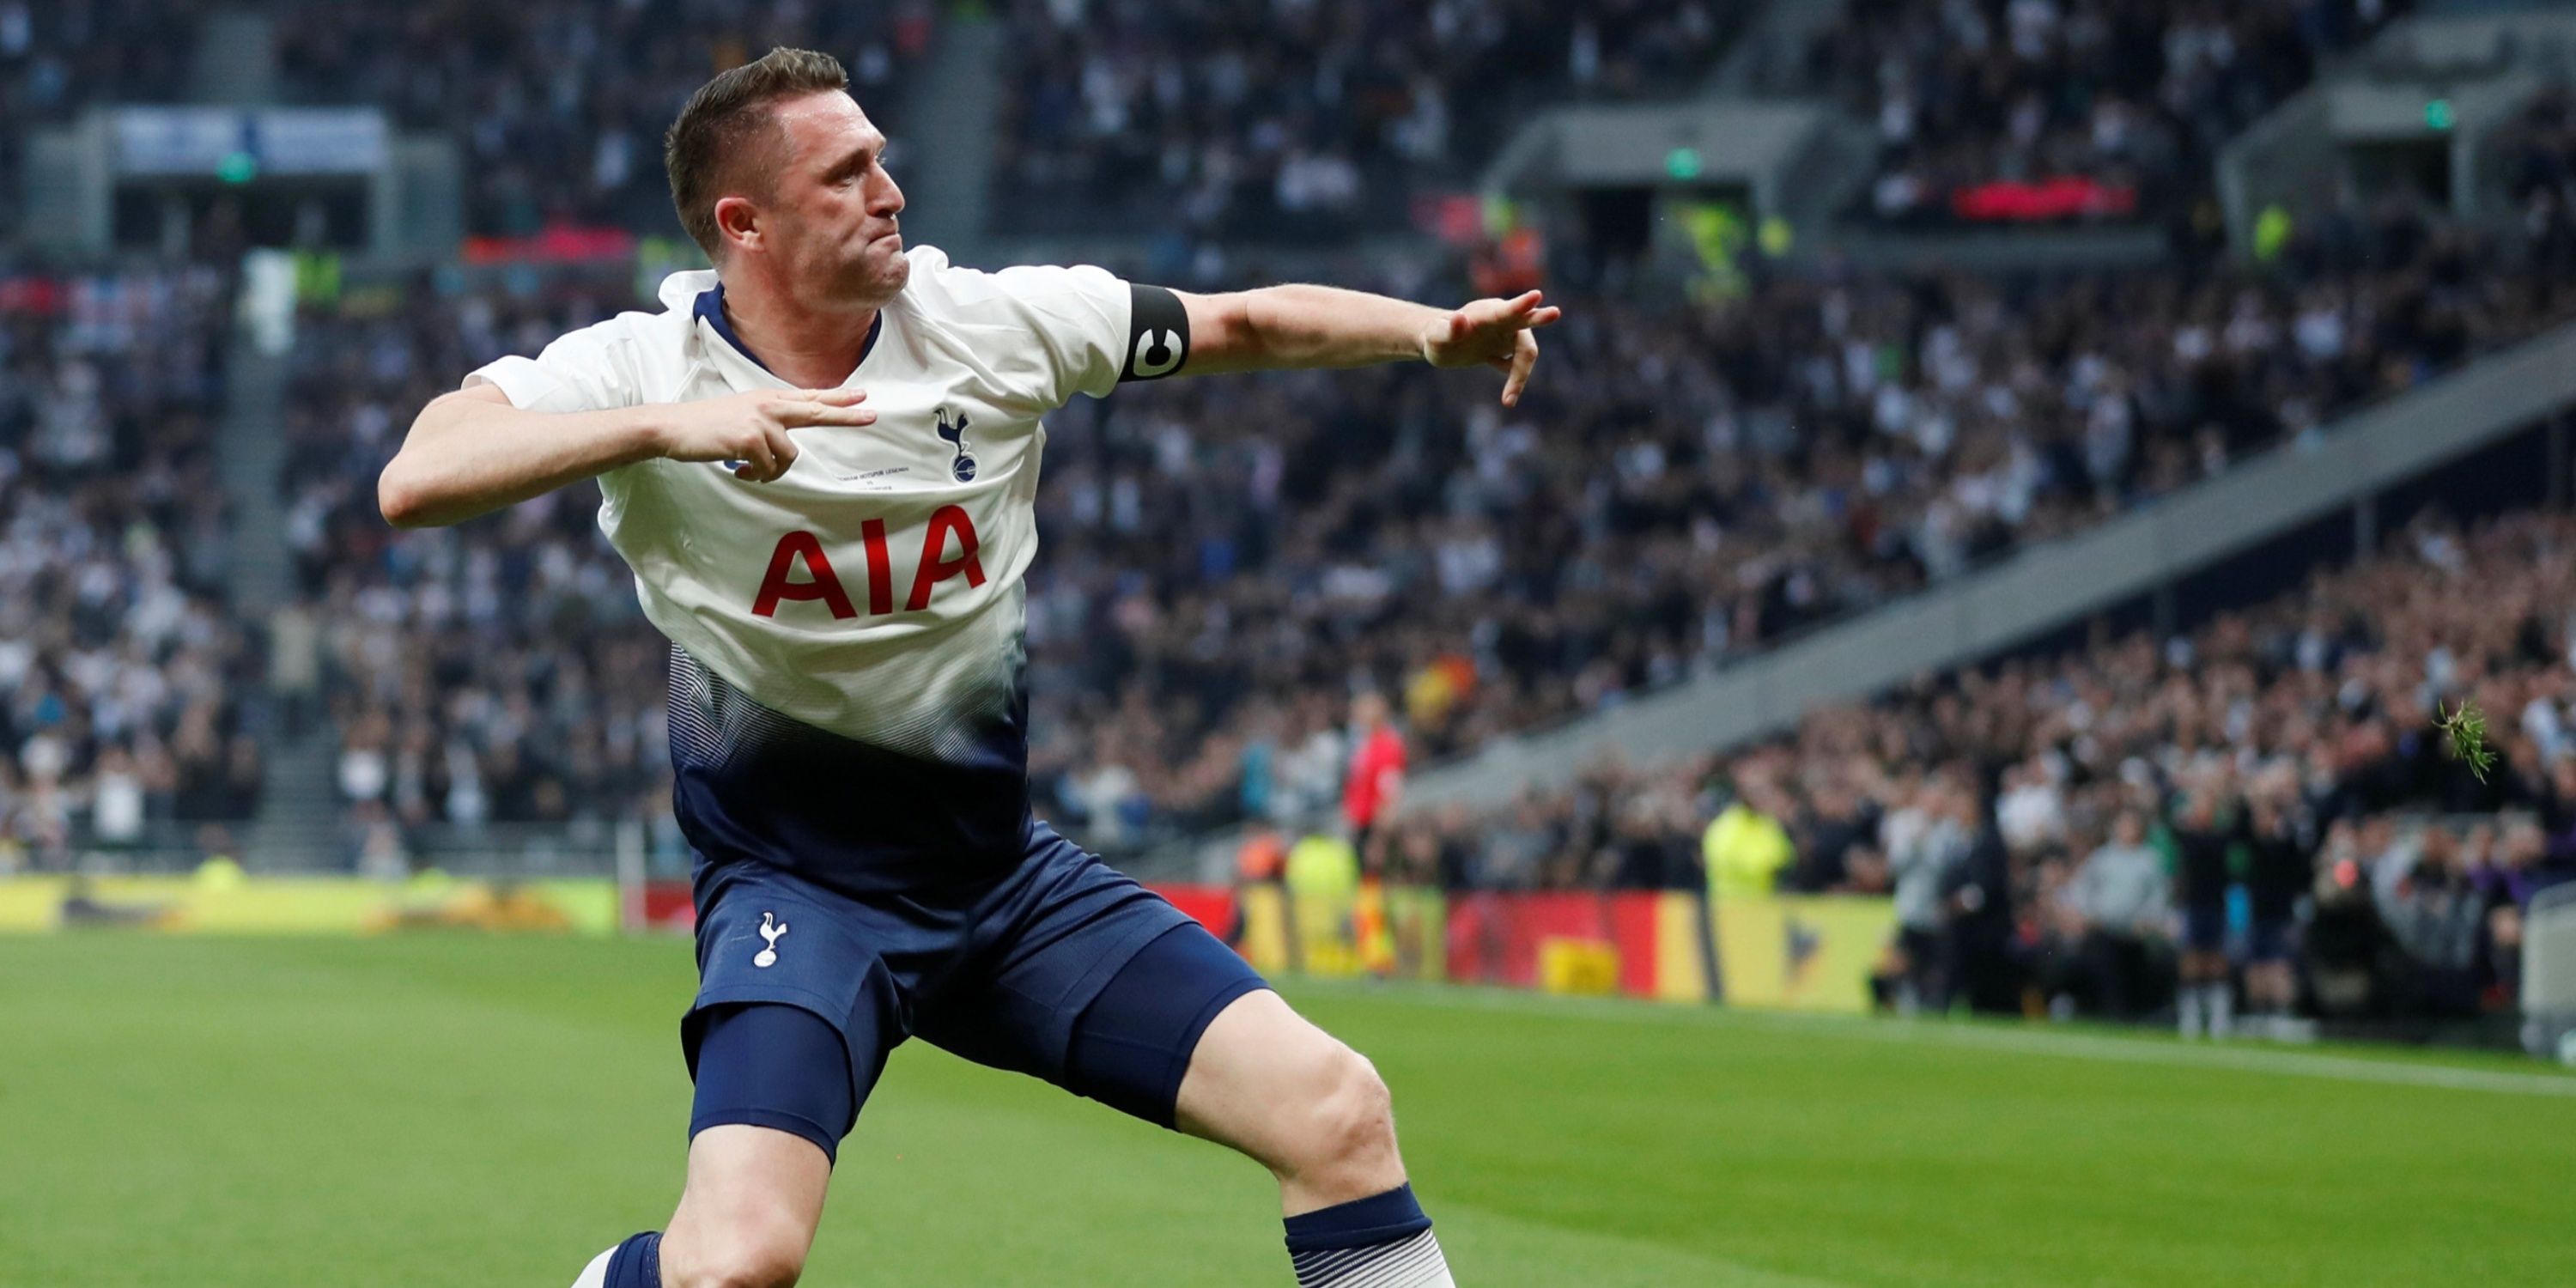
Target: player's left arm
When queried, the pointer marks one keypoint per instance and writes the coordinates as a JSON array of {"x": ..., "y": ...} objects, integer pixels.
[{"x": 1279, "y": 327}]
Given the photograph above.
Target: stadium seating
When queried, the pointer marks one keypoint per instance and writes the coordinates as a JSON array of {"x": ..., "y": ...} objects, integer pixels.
[
  {"x": 1246, "y": 119},
  {"x": 552, "y": 137},
  {"x": 122, "y": 668},
  {"x": 494, "y": 672},
  {"x": 2087, "y": 110},
  {"x": 1681, "y": 487},
  {"x": 58, "y": 58},
  {"x": 2312, "y": 711}
]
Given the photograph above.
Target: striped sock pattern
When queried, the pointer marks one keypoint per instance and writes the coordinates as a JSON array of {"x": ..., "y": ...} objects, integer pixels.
[{"x": 1413, "y": 1261}]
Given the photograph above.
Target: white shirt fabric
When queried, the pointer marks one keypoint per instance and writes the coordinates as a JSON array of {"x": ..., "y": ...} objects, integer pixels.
[{"x": 928, "y": 661}]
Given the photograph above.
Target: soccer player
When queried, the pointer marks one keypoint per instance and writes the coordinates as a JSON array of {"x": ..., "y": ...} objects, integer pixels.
[{"x": 819, "y": 460}]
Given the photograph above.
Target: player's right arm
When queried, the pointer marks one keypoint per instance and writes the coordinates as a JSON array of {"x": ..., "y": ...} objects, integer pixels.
[{"x": 472, "y": 452}]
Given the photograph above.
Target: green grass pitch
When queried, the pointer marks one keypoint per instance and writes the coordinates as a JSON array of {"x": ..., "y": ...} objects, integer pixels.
[{"x": 462, "y": 1110}]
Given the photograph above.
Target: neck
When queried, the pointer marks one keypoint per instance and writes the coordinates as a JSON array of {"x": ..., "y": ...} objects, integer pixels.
[{"x": 807, "y": 347}]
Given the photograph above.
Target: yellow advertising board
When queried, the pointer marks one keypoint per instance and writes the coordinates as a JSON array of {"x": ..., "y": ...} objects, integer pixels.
[
  {"x": 222, "y": 902},
  {"x": 1801, "y": 953}
]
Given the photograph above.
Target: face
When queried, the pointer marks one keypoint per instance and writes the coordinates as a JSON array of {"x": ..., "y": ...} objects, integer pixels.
[
  {"x": 828, "y": 228},
  {"x": 1369, "y": 710}
]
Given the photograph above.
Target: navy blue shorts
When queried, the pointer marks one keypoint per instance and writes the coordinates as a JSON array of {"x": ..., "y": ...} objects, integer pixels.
[
  {"x": 2204, "y": 929},
  {"x": 1005, "y": 970},
  {"x": 2273, "y": 942}
]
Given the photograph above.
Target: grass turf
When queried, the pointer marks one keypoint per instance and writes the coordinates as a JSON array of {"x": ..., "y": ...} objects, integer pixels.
[{"x": 459, "y": 1110}]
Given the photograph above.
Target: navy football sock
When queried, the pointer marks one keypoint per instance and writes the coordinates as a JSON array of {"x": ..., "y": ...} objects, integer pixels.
[
  {"x": 1383, "y": 1241},
  {"x": 637, "y": 1263}
]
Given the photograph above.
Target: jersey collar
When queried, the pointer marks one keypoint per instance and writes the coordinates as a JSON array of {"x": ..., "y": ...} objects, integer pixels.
[{"x": 709, "y": 309}]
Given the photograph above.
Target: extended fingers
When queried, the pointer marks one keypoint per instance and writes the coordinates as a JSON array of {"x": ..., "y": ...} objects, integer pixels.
[
  {"x": 797, "y": 414},
  {"x": 1524, "y": 357},
  {"x": 1530, "y": 309},
  {"x": 1519, "y": 313}
]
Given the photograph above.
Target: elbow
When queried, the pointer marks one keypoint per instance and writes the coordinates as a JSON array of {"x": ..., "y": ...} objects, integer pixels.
[{"x": 399, "y": 499}]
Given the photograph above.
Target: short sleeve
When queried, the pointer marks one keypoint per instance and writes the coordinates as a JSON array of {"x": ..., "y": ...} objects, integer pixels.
[
  {"x": 1080, "y": 316},
  {"x": 591, "y": 369}
]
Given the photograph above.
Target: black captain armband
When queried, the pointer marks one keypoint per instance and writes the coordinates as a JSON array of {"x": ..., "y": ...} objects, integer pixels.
[{"x": 1158, "y": 333}]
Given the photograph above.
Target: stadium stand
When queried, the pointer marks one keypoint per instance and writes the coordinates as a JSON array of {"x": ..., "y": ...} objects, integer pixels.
[
  {"x": 1502, "y": 576},
  {"x": 57, "y": 58},
  {"x": 2033, "y": 110},
  {"x": 1249, "y": 120},
  {"x": 2303, "y": 725},
  {"x": 497, "y": 672},
  {"x": 122, "y": 667},
  {"x": 553, "y": 136},
  {"x": 2541, "y": 178}
]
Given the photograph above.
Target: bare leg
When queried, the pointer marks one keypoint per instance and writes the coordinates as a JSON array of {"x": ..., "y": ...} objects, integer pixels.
[
  {"x": 1271, "y": 1085},
  {"x": 747, "y": 1218}
]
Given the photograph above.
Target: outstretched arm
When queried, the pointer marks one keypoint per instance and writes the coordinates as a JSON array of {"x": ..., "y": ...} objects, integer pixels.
[
  {"x": 471, "y": 452},
  {"x": 1280, "y": 327}
]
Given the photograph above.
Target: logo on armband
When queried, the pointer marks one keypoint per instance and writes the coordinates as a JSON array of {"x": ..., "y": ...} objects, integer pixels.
[{"x": 1157, "y": 353}]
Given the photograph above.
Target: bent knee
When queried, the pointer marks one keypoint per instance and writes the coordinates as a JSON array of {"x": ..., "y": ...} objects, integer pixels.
[
  {"x": 754, "y": 1254},
  {"x": 1345, "y": 1114}
]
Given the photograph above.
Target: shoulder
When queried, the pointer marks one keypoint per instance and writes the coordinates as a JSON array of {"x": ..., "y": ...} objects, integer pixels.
[
  {"x": 638, "y": 344},
  {"x": 619, "y": 361},
  {"x": 624, "y": 337},
  {"x": 941, "y": 288}
]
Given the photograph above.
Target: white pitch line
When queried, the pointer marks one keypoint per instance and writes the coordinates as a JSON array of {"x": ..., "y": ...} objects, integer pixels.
[{"x": 2041, "y": 1042}]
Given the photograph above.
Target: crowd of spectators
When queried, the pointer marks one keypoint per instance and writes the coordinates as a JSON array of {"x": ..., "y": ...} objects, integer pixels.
[
  {"x": 497, "y": 672},
  {"x": 2068, "y": 834},
  {"x": 560, "y": 105},
  {"x": 1228, "y": 560},
  {"x": 120, "y": 662},
  {"x": 2095, "y": 108},
  {"x": 56, "y": 58},
  {"x": 2539, "y": 173},
  {"x": 1301, "y": 120}
]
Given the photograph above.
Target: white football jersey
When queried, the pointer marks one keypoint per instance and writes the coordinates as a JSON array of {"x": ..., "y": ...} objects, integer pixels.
[{"x": 874, "y": 590}]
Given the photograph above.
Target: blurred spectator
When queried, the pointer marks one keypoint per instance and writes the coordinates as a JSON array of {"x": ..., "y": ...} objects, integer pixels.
[
  {"x": 1375, "y": 786},
  {"x": 1925, "y": 844},
  {"x": 2119, "y": 921},
  {"x": 2435, "y": 915},
  {"x": 1977, "y": 899},
  {"x": 2203, "y": 841},
  {"x": 1746, "y": 846},
  {"x": 2279, "y": 842}
]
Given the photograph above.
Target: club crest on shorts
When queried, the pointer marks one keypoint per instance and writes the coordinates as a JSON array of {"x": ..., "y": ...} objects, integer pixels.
[
  {"x": 770, "y": 930},
  {"x": 954, "y": 434}
]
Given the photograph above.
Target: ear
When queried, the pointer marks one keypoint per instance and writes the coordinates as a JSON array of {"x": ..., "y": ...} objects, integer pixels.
[{"x": 738, "y": 222}]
